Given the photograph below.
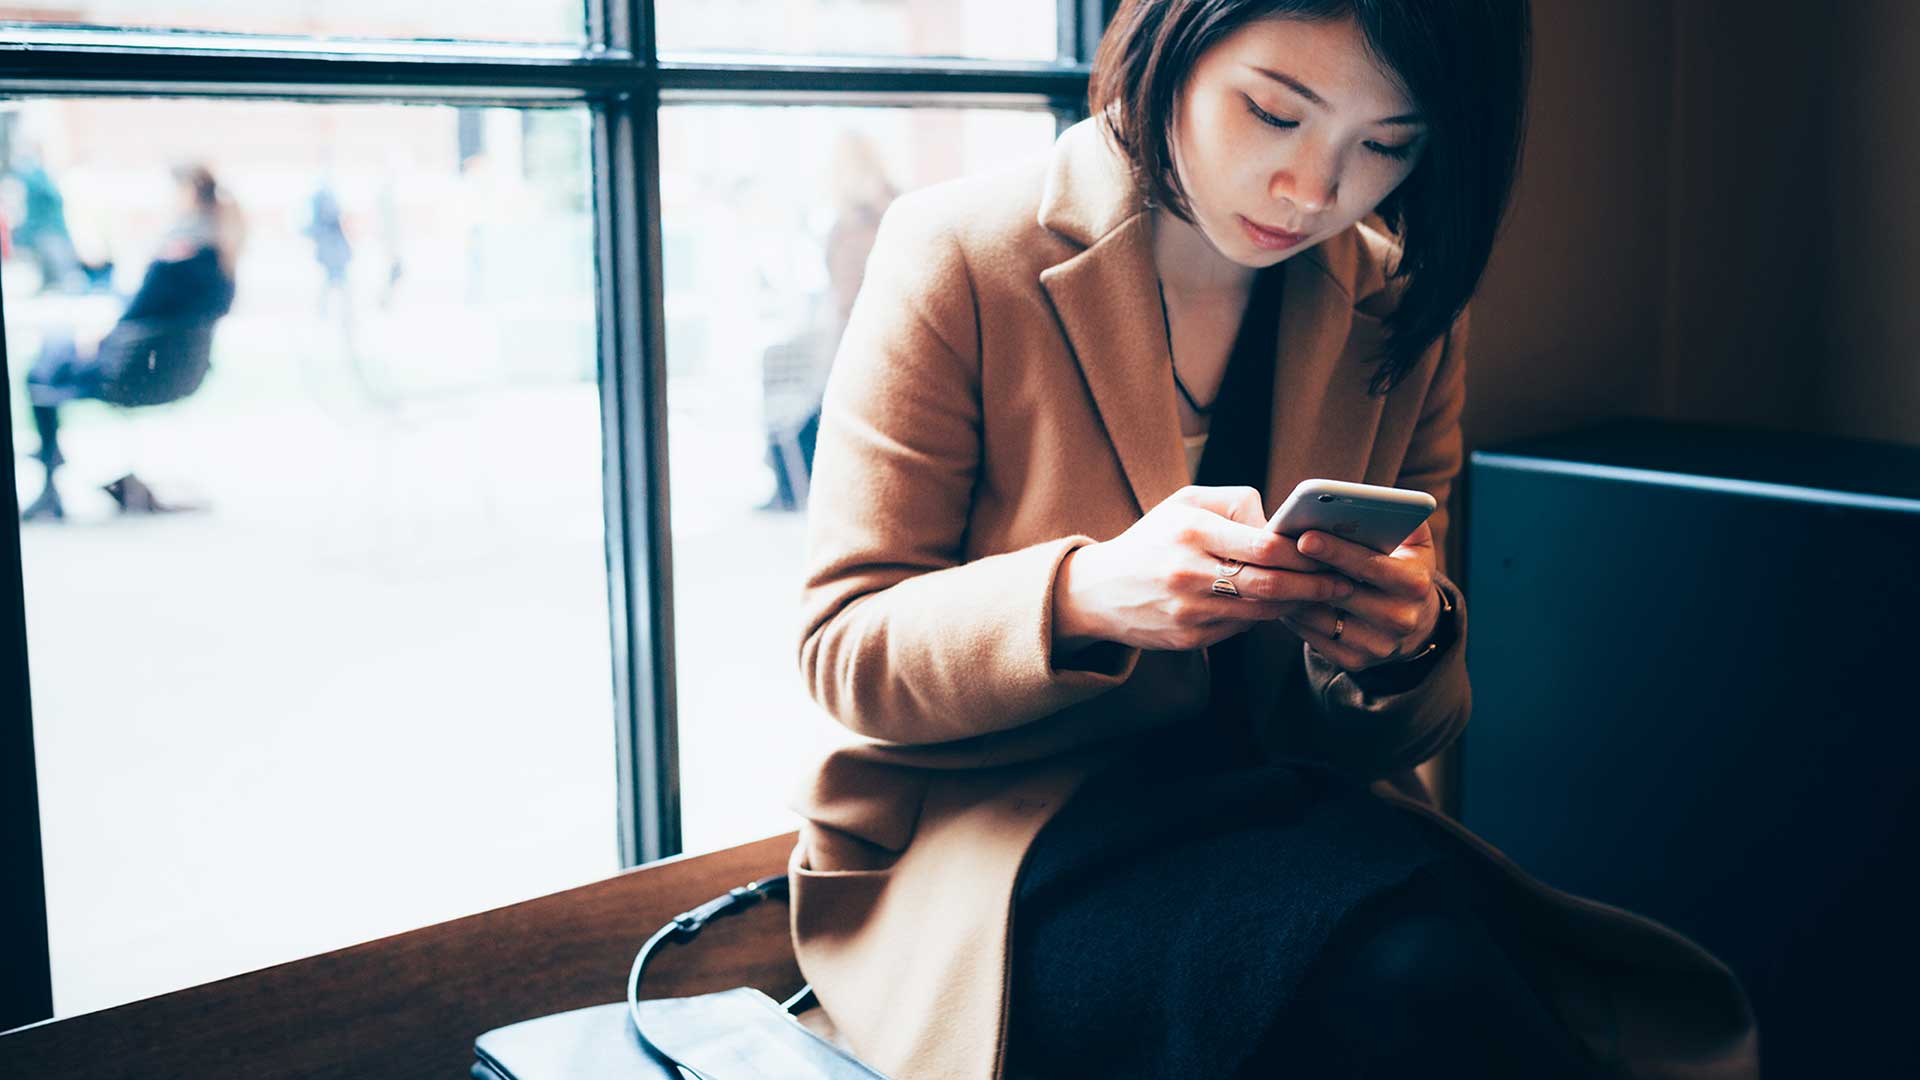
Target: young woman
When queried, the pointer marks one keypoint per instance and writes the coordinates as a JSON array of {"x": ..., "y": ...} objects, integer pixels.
[{"x": 1133, "y": 789}]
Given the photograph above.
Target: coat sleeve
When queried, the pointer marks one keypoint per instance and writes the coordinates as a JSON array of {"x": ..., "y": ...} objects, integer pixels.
[
  {"x": 1384, "y": 721},
  {"x": 903, "y": 641}
]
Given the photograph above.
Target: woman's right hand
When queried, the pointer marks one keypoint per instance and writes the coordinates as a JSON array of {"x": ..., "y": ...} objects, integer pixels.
[{"x": 1151, "y": 587}]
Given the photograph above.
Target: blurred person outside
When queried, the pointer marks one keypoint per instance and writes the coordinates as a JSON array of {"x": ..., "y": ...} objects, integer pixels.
[
  {"x": 331, "y": 249},
  {"x": 160, "y": 348},
  {"x": 387, "y": 211},
  {"x": 794, "y": 371},
  {"x": 42, "y": 233}
]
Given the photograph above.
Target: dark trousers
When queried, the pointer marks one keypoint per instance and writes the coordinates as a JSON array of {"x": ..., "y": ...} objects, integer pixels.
[{"x": 59, "y": 375}]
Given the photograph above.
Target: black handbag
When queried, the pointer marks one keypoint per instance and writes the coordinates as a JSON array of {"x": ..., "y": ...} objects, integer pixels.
[{"x": 737, "y": 1034}]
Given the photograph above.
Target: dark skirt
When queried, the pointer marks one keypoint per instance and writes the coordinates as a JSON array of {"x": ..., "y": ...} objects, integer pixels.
[{"x": 1167, "y": 917}]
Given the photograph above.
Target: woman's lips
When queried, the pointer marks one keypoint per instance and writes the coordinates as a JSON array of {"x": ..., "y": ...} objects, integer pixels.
[{"x": 1269, "y": 239}]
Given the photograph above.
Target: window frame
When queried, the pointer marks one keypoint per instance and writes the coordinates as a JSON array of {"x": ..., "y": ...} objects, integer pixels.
[{"x": 623, "y": 80}]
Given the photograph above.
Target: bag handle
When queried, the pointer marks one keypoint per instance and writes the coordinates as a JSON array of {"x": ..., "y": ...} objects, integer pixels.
[{"x": 687, "y": 925}]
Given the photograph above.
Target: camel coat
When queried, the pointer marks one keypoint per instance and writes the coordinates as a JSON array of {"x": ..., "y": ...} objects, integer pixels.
[{"x": 1003, "y": 396}]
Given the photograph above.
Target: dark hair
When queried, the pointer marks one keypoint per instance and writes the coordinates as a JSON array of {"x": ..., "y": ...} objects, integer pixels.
[
  {"x": 1463, "y": 62},
  {"x": 206, "y": 190}
]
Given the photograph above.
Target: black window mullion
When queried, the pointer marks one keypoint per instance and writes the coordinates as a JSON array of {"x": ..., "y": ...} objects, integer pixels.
[
  {"x": 605, "y": 70},
  {"x": 26, "y": 972},
  {"x": 645, "y": 42},
  {"x": 96, "y": 64},
  {"x": 1081, "y": 24},
  {"x": 634, "y": 425},
  {"x": 696, "y": 74}
]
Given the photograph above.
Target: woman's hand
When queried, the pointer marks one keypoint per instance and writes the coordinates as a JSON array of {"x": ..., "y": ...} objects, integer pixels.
[
  {"x": 1151, "y": 587},
  {"x": 1389, "y": 617}
]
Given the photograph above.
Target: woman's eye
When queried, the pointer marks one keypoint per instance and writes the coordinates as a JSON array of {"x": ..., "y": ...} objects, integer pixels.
[
  {"x": 1397, "y": 153},
  {"x": 1268, "y": 118}
]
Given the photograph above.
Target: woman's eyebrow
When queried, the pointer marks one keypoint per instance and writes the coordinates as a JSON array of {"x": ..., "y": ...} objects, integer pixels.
[{"x": 1305, "y": 91}]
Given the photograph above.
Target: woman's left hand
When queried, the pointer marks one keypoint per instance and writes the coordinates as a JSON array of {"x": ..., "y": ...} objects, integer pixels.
[{"x": 1395, "y": 604}]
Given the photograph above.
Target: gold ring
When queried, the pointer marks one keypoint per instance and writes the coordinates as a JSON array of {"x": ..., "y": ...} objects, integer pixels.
[
  {"x": 1229, "y": 567},
  {"x": 1223, "y": 587},
  {"x": 1339, "y": 625}
]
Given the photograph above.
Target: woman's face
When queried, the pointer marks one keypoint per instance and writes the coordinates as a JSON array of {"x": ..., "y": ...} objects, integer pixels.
[{"x": 1288, "y": 132}]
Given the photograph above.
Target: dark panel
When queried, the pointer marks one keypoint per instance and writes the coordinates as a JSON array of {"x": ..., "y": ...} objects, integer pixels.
[{"x": 1694, "y": 699}]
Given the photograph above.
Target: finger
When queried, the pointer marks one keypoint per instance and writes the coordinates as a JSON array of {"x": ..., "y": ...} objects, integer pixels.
[
  {"x": 1316, "y": 586},
  {"x": 1248, "y": 510},
  {"x": 1405, "y": 575},
  {"x": 1388, "y": 613},
  {"x": 1368, "y": 642},
  {"x": 1340, "y": 652},
  {"x": 1224, "y": 538},
  {"x": 1243, "y": 613},
  {"x": 1242, "y": 506}
]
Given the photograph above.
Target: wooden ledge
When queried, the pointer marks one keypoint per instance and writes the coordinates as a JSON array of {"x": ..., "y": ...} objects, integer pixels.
[{"x": 410, "y": 1005}]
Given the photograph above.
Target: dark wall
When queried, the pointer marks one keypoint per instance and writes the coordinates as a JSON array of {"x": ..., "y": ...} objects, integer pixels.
[
  {"x": 1567, "y": 325},
  {"x": 1715, "y": 222},
  {"x": 1870, "y": 384}
]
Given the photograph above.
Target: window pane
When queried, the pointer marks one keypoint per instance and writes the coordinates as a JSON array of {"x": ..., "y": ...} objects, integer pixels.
[
  {"x": 986, "y": 29},
  {"x": 769, "y": 216},
  {"x": 360, "y": 681},
  {"x": 534, "y": 21}
]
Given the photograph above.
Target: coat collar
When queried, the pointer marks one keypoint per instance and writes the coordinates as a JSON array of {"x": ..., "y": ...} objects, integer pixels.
[{"x": 1106, "y": 300}]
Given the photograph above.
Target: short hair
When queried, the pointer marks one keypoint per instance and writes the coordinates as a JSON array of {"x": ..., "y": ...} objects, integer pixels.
[{"x": 1463, "y": 62}]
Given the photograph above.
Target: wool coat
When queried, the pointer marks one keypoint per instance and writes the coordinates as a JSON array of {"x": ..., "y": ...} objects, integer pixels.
[{"x": 1003, "y": 395}]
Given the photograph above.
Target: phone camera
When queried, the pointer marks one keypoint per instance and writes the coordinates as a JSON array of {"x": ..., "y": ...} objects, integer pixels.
[{"x": 1326, "y": 498}]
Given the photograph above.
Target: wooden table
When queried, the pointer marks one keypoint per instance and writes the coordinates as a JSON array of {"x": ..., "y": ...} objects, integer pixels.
[{"x": 410, "y": 1005}]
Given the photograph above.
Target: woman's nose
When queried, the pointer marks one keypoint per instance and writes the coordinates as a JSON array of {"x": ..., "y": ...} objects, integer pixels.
[{"x": 1311, "y": 183}]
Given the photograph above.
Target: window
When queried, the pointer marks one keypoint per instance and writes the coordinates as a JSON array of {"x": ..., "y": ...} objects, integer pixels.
[
  {"x": 525, "y": 326},
  {"x": 385, "y": 589},
  {"x": 773, "y": 211}
]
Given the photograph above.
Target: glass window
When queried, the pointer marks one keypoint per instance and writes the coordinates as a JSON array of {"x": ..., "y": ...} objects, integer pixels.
[
  {"x": 537, "y": 21},
  {"x": 318, "y": 629},
  {"x": 987, "y": 29},
  {"x": 769, "y": 214}
]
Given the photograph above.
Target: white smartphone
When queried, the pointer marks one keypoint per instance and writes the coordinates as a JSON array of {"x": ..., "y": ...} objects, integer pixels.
[{"x": 1379, "y": 517}]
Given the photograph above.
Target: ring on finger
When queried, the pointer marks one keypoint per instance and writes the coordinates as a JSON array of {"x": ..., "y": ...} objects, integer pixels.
[
  {"x": 1229, "y": 567},
  {"x": 1339, "y": 626},
  {"x": 1223, "y": 587}
]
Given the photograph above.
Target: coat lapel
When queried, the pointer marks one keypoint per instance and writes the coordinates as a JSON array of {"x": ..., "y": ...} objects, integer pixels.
[{"x": 1109, "y": 309}]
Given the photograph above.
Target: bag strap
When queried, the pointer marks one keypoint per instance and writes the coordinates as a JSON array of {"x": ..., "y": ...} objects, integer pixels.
[{"x": 686, "y": 926}]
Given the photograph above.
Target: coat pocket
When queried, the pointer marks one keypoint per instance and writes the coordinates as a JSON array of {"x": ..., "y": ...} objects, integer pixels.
[{"x": 831, "y": 905}]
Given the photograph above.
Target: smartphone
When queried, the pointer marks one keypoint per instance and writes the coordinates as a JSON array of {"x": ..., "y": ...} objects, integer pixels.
[{"x": 1379, "y": 517}]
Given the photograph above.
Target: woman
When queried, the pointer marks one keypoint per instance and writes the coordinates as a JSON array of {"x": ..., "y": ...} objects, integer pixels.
[
  {"x": 159, "y": 349},
  {"x": 1134, "y": 792}
]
